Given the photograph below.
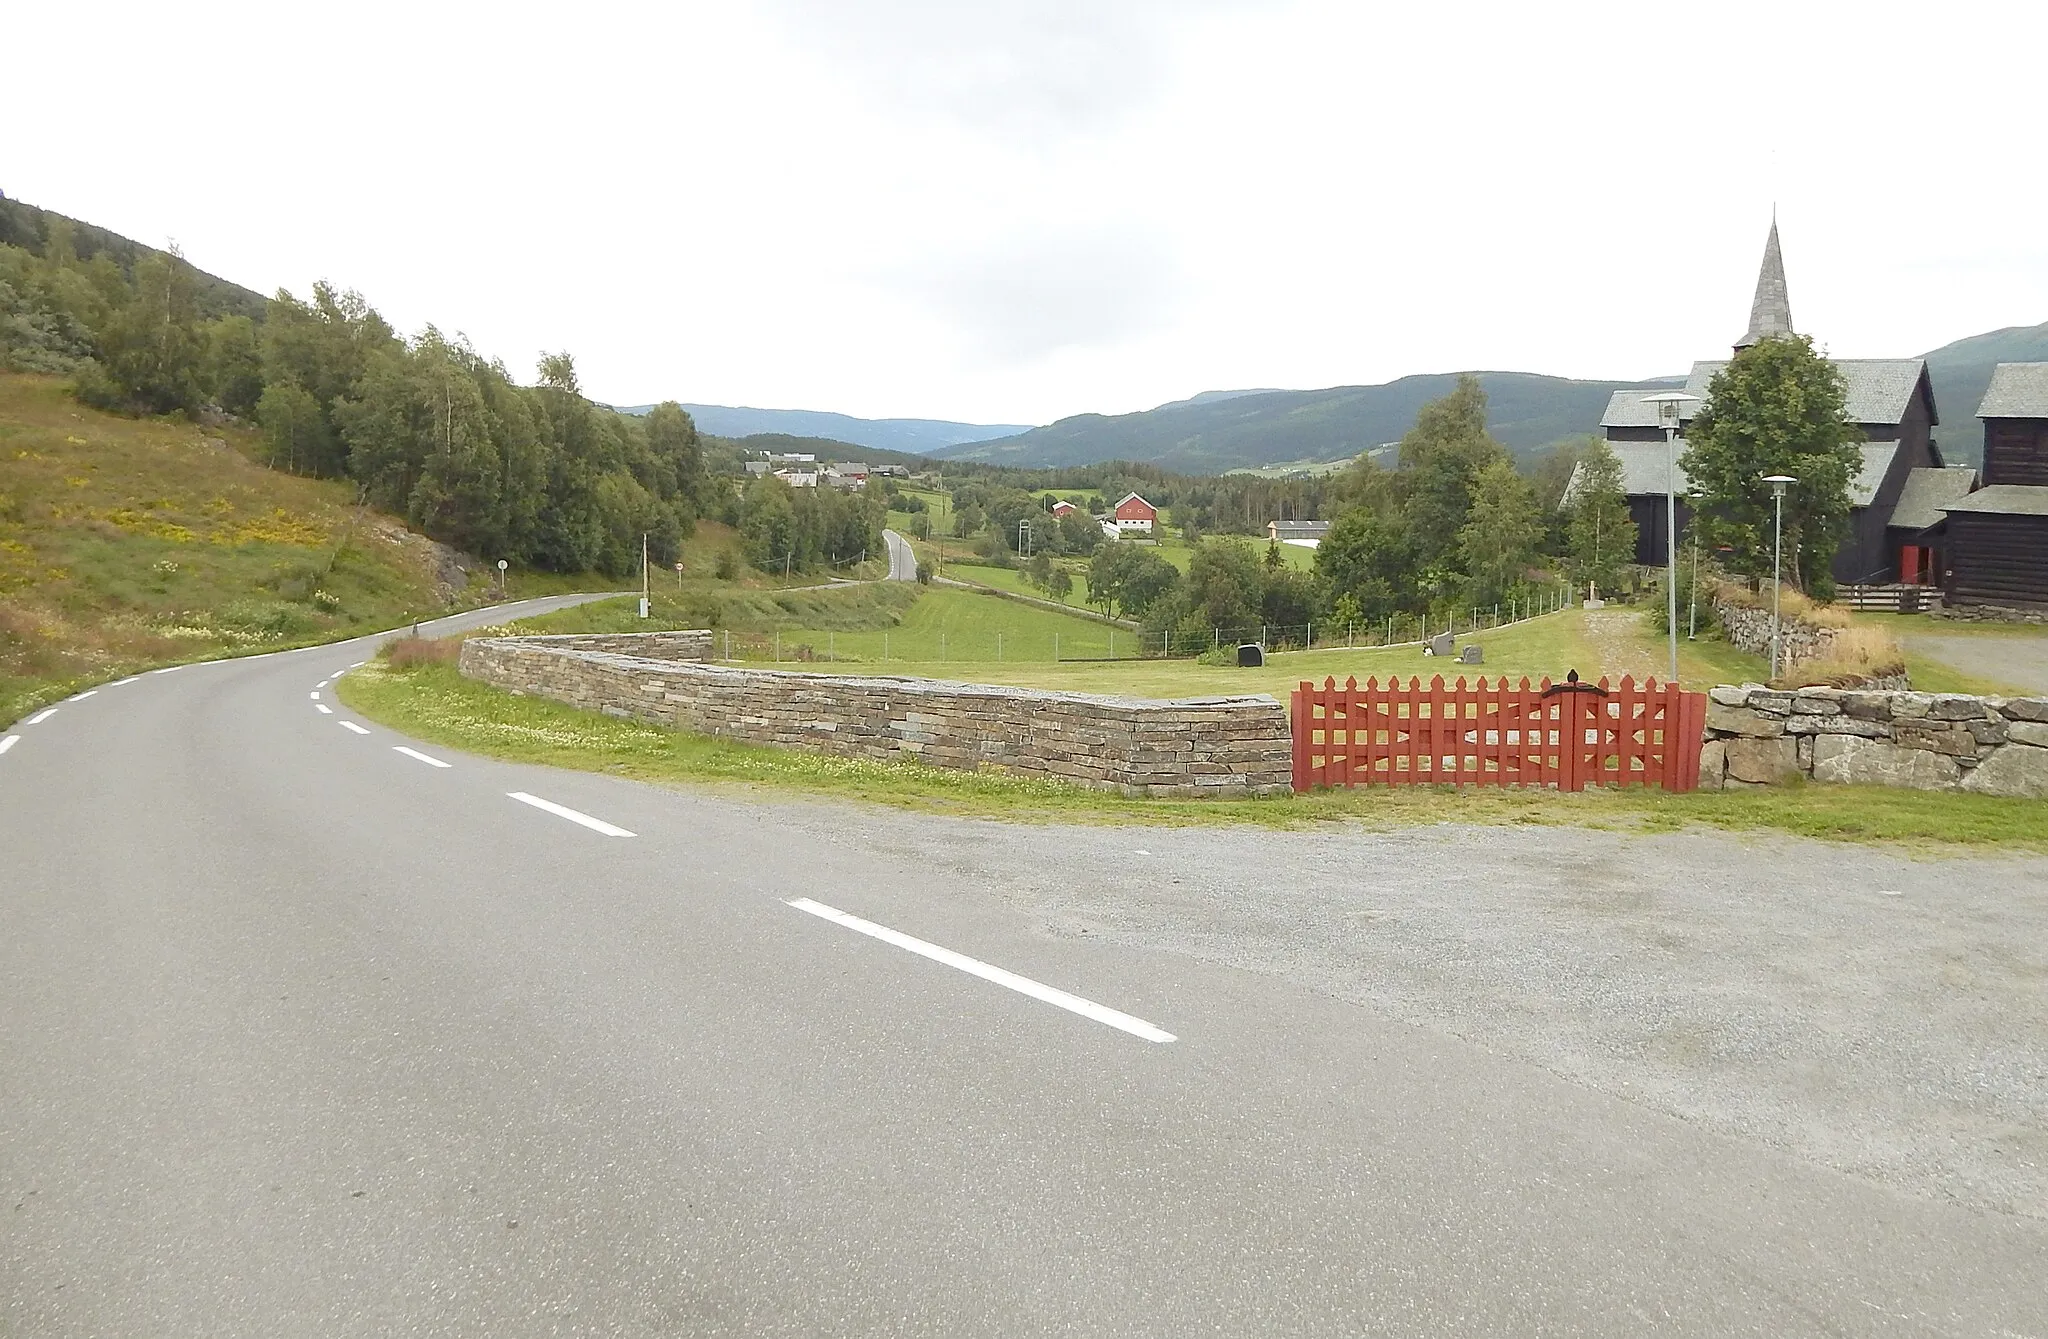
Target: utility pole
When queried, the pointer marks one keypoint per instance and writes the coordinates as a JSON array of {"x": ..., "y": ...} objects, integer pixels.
[{"x": 644, "y": 590}]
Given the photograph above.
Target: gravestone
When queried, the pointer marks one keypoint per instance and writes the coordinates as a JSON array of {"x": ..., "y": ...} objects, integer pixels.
[
  {"x": 1472, "y": 655},
  {"x": 1251, "y": 655},
  {"x": 1442, "y": 644}
]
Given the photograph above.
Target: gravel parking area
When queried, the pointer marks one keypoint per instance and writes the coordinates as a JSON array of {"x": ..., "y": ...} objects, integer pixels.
[
  {"x": 2019, "y": 660},
  {"x": 1877, "y": 1014}
]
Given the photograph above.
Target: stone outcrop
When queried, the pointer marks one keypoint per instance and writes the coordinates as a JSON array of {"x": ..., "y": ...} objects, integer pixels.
[
  {"x": 1224, "y": 746},
  {"x": 1923, "y": 741}
]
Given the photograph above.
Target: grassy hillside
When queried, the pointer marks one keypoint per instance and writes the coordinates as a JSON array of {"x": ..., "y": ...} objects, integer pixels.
[
  {"x": 132, "y": 542},
  {"x": 1961, "y": 371},
  {"x": 1209, "y": 435}
]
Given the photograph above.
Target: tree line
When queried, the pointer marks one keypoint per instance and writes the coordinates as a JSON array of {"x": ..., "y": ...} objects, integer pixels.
[{"x": 426, "y": 428}]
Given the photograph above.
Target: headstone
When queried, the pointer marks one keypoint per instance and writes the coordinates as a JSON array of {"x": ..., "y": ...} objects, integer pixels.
[
  {"x": 1442, "y": 644},
  {"x": 1250, "y": 655},
  {"x": 1472, "y": 655}
]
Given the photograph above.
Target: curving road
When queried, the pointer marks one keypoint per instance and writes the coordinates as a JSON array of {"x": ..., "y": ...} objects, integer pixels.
[
  {"x": 310, "y": 1029},
  {"x": 902, "y": 558}
]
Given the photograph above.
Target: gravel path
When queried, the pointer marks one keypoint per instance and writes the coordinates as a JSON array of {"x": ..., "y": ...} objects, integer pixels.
[
  {"x": 1873, "y": 1013},
  {"x": 2021, "y": 661}
]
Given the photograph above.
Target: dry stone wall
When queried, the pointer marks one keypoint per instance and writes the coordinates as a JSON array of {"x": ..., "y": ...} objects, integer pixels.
[
  {"x": 1226, "y": 746},
  {"x": 1924, "y": 741},
  {"x": 1750, "y": 630}
]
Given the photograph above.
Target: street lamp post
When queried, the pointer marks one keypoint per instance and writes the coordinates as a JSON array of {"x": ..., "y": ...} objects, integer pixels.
[
  {"x": 1668, "y": 417},
  {"x": 1777, "y": 483}
]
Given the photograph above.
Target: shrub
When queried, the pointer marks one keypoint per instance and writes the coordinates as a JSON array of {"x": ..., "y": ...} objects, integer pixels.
[
  {"x": 1858, "y": 654},
  {"x": 406, "y": 652},
  {"x": 728, "y": 566}
]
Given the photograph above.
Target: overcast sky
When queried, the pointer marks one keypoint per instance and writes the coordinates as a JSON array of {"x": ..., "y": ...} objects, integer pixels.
[{"x": 1014, "y": 212}]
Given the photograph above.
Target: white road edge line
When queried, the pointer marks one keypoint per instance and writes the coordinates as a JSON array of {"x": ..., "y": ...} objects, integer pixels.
[
  {"x": 323, "y": 708},
  {"x": 563, "y": 811},
  {"x": 314, "y": 696},
  {"x": 1023, "y": 985},
  {"x": 45, "y": 714},
  {"x": 359, "y": 664},
  {"x": 415, "y": 753},
  {"x": 321, "y": 684},
  {"x": 351, "y": 725},
  {"x": 130, "y": 679},
  {"x": 167, "y": 669},
  {"x": 9, "y": 742},
  {"x": 80, "y": 697}
]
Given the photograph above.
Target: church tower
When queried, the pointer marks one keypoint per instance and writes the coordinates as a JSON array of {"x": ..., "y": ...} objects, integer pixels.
[{"x": 1771, "y": 313}]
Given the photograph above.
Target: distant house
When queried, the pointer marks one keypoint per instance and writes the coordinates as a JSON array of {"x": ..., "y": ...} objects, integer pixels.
[
  {"x": 890, "y": 472},
  {"x": 1996, "y": 539},
  {"x": 1134, "y": 516},
  {"x": 1890, "y": 400},
  {"x": 851, "y": 469},
  {"x": 849, "y": 475},
  {"x": 1064, "y": 508},
  {"x": 1308, "y": 534},
  {"x": 798, "y": 478},
  {"x": 757, "y": 468}
]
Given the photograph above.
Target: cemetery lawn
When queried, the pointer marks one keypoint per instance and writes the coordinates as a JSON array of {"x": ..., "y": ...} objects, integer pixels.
[{"x": 431, "y": 702}]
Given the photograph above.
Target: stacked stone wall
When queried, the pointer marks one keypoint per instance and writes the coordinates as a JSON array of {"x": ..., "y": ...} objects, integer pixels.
[
  {"x": 1925, "y": 741},
  {"x": 1750, "y": 630},
  {"x": 690, "y": 644},
  {"x": 1226, "y": 746}
]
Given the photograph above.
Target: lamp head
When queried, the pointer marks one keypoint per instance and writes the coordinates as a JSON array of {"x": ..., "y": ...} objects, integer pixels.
[
  {"x": 1670, "y": 405},
  {"x": 1778, "y": 482}
]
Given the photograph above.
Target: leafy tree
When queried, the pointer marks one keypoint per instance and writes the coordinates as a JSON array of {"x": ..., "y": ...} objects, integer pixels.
[
  {"x": 1289, "y": 599},
  {"x": 1777, "y": 408},
  {"x": 1080, "y": 532},
  {"x": 1366, "y": 558},
  {"x": 1128, "y": 578},
  {"x": 152, "y": 348},
  {"x": 1225, "y": 584},
  {"x": 1059, "y": 583},
  {"x": 672, "y": 439},
  {"x": 1599, "y": 530},
  {"x": 293, "y": 427},
  {"x": 768, "y": 522},
  {"x": 234, "y": 364},
  {"x": 1498, "y": 541},
  {"x": 1442, "y": 458}
]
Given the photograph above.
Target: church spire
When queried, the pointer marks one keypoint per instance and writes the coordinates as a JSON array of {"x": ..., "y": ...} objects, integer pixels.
[{"x": 1771, "y": 313}]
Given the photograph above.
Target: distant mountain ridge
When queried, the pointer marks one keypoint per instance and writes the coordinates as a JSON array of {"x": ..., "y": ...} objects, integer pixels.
[
  {"x": 1211, "y": 433},
  {"x": 1218, "y": 431},
  {"x": 919, "y": 436},
  {"x": 29, "y": 227}
]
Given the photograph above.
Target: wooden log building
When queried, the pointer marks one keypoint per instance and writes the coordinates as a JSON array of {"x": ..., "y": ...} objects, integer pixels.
[{"x": 1995, "y": 544}]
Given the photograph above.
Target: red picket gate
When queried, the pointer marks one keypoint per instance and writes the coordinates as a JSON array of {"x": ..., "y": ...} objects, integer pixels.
[{"x": 1569, "y": 735}]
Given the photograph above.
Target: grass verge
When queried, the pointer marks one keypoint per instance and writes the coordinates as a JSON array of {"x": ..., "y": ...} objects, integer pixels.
[{"x": 430, "y": 701}]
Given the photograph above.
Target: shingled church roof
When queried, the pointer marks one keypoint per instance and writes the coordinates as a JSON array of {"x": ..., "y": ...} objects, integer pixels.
[
  {"x": 1770, "y": 314},
  {"x": 2017, "y": 390}
]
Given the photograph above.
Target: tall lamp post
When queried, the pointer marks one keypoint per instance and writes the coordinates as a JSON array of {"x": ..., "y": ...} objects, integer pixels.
[
  {"x": 1669, "y": 405},
  {"x": 1777, "y": 483}
]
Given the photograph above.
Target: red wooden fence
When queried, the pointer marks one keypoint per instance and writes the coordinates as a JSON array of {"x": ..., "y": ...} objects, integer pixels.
[{"x": 1569, "y": 735}]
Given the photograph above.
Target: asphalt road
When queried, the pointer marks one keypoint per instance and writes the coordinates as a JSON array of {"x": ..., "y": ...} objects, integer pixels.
[
  {"x": 902, "y": 559},
  {"x": 308, "y": 1035}
]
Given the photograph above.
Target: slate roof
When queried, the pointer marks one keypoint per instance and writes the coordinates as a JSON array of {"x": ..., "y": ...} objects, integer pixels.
[
  {"x": 2017, "y": 390},
  {"x": 1642, "y": 470},
  {"x": 1927, "y": 491},
  {"x": 1879, "y": 389},
  {"x": 1298, "y": 529},
  {"x": 1770, "y": 313},
  {"x": 2005, "y": 500}
]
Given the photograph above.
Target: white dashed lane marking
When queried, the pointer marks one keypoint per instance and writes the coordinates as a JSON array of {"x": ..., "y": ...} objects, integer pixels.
[
  {"x": 1023, "y": 985},
  {"x": 563, "y": 811},
  {"x": 45, "y": 714},
  {"x": 415, "y": 753},
  {"x": 9, "y": 742},
  {"x": 351, "y": 725},
  {"x": 315, "y": 696},
  {"x": 130, "y": 679},
  {"x": 323, "y": 708},
  {"x": 80, "y": 697}
]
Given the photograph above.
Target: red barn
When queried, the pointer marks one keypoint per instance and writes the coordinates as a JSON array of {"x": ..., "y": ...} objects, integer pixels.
[
  {"x": 1134, "y": 515},
  {"x": 1062, "y": 507}
]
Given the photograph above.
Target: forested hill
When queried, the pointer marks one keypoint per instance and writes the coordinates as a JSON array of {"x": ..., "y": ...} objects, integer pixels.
[
  {"x": 32, "y": 229},
  {"x": 917, "y": 435},
  {"x": 1208, "y": 435},
  {"x": 1960, "y": 372}
]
